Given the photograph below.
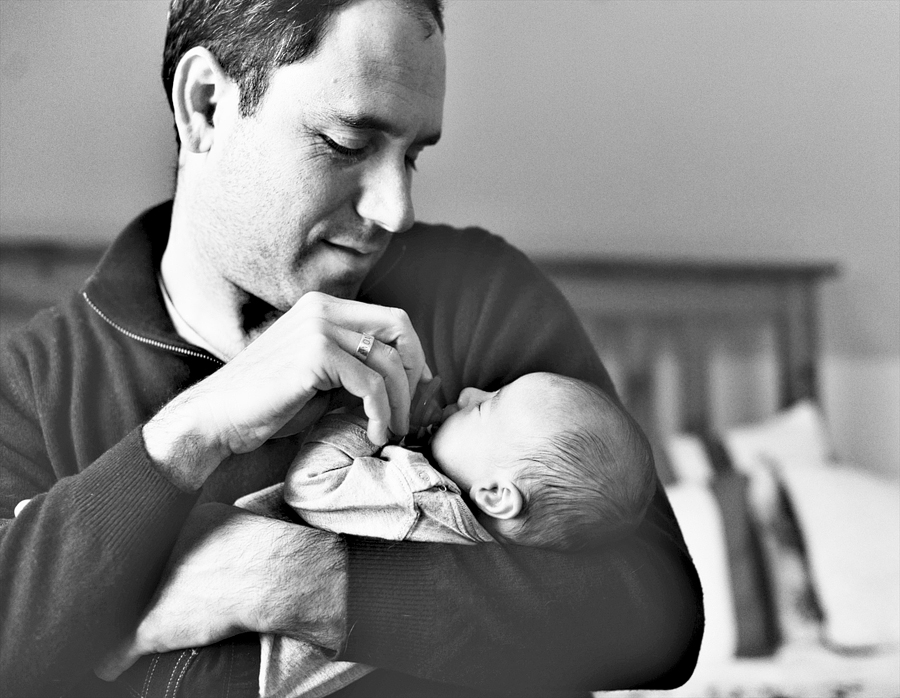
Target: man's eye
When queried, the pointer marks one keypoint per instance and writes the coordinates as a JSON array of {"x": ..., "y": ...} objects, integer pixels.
[{"x": 342, "y": 149}]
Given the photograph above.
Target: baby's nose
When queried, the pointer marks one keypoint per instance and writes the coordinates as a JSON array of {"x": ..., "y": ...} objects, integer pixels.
[{"x": 471, "y": 396}]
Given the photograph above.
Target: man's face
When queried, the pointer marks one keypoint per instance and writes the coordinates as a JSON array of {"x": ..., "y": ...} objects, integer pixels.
[{"x": 306, "y": 193}]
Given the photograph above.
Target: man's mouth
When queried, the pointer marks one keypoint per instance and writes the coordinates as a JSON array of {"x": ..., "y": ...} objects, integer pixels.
[{"x": 355, "y": 249}]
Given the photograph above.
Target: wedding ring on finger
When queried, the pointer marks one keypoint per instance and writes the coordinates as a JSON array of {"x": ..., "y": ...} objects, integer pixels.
[{"x": 366, "y": 343}]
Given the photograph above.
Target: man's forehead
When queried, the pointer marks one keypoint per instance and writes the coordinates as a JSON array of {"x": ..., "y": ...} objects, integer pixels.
[
  {"x": 374, "y": 38},
  {"x": 382, "y": 74}
]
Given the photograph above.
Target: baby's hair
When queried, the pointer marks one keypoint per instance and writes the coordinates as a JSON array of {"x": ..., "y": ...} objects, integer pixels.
[{"x": 591, "y": 481}]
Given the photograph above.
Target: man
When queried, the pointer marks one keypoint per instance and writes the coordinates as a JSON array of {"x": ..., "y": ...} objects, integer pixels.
[{"x": 218, "y": 327}]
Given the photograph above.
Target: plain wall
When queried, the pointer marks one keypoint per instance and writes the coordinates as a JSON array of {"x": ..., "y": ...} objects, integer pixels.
[{"x": 727, "y": 130}]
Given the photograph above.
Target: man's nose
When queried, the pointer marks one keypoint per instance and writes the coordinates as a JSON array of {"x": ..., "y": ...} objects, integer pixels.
[{"x": 386, "y": 198}]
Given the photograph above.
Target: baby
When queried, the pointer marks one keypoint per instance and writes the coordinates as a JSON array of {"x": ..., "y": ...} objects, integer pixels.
[{"x": 545, "y": 461}]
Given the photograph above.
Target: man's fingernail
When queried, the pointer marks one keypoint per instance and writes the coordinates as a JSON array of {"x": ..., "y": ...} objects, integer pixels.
[{"x": 379, "y": 437}]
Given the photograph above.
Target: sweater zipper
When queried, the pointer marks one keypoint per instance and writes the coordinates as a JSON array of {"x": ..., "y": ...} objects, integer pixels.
[{"x": 146, "y": 340}]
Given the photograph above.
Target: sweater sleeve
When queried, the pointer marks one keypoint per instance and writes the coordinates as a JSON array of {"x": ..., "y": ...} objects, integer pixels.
[
  {"x": 80, "y": 561},
  {"x": 515, "y": 620}
]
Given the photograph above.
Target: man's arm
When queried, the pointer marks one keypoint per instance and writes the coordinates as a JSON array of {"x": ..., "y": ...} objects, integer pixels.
[
  {"x": 78, "y": 563},
  {"x": 521, "y": 621},
  {"x": 233, "y": 571}
]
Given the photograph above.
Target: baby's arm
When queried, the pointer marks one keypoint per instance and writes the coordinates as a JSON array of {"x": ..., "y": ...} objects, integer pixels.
[{"x": 338, "y": 484}]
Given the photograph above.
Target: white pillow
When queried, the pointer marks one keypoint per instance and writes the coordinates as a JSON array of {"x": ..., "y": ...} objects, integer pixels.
[
  {"x": 701, "y": 523},
  {"x": 797, "y": 435},
  {"x": 850, "y": 522},
  {"x": 688, "y": 459}
]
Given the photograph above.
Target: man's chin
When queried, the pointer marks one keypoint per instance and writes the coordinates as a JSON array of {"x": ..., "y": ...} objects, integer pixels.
[
  {"x": 340, "y": 285},
  {"x": 348, "y": 290}
]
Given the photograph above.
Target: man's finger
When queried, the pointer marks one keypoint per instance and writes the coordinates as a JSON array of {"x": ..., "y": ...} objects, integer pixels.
[
  {"x": 390, "y": 326},
  {"x": 384, "y": 359},
  {"x": 117, "y": 662},
  {"x": 366, "y": 383}
]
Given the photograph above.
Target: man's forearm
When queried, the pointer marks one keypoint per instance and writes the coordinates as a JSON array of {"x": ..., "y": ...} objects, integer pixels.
[
  {"x": 524, "y": 620},
  {"x": 232, "y": 571},
  {"x": 77, "y": 564},
  {"x": 305, "y": 585}
]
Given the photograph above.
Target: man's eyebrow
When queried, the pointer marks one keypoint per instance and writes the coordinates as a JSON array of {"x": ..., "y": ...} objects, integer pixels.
[{"x": 370, "y": 122}]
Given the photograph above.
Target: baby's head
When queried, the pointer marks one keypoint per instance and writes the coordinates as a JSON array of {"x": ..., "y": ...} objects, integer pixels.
[{"x": 550, "y": 461}]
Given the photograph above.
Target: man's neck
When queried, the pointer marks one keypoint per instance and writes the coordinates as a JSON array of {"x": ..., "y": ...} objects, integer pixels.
[{"x": 212, "y": 307}]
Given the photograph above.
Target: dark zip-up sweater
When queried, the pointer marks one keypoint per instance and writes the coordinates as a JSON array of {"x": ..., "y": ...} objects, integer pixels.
[{"x": 80, "y": 562}]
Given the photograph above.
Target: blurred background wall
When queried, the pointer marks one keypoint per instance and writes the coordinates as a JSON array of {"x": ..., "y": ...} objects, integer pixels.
[{"x": 735, "y": 130}]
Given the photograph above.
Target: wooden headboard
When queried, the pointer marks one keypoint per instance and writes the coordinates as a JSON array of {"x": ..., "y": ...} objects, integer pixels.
[{"x": 694, "y": 346}]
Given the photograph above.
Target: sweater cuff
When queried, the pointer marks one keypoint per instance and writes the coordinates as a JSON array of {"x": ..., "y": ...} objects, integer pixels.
[
  {"x": 391, "y": 594},
  {"x": 122, "y": 495}
]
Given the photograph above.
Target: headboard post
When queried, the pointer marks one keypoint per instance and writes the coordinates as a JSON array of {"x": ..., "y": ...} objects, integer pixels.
[{"x": 798, "y": 334}]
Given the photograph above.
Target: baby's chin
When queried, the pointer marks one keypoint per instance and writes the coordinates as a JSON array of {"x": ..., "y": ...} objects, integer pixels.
[{"x": 437, "y": 444}]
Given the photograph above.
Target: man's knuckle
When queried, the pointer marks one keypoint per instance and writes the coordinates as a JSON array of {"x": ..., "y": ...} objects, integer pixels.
[
  {"x": 313, "y": 302},
  {"x": 314, "y": 328},
  {"x": 390, "y": 353},
  {"x": 318, "y": 344},
  {"x": 372, "y": 382},
  {"x": 401, "y": 316}
]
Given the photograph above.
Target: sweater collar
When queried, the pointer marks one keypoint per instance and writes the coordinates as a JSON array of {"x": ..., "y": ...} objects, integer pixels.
[{"x": 124, "y": 286}]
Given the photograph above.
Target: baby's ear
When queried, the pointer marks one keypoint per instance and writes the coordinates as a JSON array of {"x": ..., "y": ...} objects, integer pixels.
[{"x": 500, "y": 499}]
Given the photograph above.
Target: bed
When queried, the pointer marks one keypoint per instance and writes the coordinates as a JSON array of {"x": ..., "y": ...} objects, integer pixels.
[{"x": 798, "y": 552}]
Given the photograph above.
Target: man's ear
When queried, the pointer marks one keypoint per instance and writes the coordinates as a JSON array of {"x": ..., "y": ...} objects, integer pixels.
[
  {"x": 198, "y": 89},
  {"x": 500, "y": 499}
]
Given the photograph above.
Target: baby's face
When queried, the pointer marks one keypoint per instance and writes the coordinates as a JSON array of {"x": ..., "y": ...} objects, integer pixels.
[{"x": 486, "y": 430}]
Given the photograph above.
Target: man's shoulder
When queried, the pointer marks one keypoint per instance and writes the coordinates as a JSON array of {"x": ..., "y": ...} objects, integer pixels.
[
  {"x": 36, "y": 353},
  {"x": 435, "y": 238},
  {"x": 431, "y": 251},
  {"x": 48, "y": 329}
]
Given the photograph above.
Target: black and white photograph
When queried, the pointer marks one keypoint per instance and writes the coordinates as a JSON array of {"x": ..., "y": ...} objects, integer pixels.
[{"x": 450, "y": 348}]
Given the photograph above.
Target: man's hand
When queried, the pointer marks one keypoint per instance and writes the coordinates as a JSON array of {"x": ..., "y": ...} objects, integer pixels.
[
  {"x": 267, "y": 389},
  {"x": 231, "y": 572}
]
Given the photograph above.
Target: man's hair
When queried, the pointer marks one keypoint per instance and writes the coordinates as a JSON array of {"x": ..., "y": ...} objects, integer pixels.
[
  {"x": 591, "y": 481},
  {"x": 251, "y": 38}
]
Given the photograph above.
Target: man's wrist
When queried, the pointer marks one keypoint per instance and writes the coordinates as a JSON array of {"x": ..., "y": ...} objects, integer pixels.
[
  {"x": 179, "y": 449},
  {"x": 305, "y": 594}
]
